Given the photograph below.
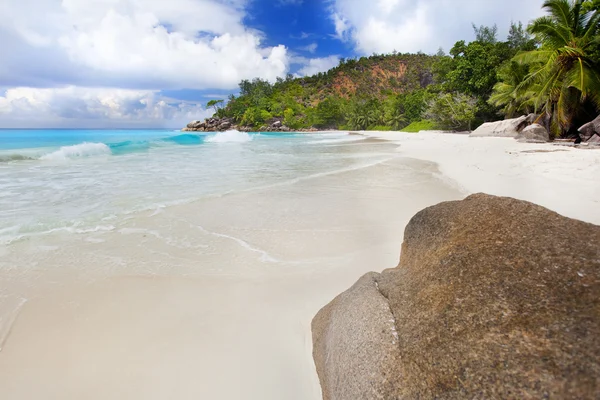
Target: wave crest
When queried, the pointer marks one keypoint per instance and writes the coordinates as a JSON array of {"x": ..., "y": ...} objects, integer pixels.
[
  {"x": 232, "y": 136},
  {"x": 81, "y": 150}
]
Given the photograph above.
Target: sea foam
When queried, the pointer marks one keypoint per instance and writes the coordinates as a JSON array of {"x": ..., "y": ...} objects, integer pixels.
[
  {"x": 232, "y": 136},
  {"x": 77, "y": 151}
]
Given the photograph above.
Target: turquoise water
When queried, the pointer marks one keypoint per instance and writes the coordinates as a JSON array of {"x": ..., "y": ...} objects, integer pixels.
[
  {"x": 82, "y": 180},
  {"x": 32, "y": 144}
]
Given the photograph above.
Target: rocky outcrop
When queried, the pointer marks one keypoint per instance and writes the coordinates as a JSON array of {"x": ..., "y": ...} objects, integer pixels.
[
  {"x": 225, "y": 124},
  {"x": 505, "y": 128},
  {"x": 534, "y": 133},
  {"x": 493, "y": 298},
  {"x": 590, "y": 132}
]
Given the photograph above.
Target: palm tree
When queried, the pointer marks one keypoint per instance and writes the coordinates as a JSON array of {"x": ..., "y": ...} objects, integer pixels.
[
  {"x": 509, "y": 93},
  {"x": 396, "y": 120},
  {"x": 567, "y": 75}
]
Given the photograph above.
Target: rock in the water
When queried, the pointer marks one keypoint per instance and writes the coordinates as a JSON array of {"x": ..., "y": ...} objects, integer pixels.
[
  {"x": 506, "y": 128},
  {"x": 534, "y": 133},
  {"x": 587, "y": 131},
  {"x": 493, "y": 298}
]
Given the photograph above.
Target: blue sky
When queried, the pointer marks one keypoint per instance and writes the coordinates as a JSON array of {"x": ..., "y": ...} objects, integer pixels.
[{"x": 153, "y": 63}]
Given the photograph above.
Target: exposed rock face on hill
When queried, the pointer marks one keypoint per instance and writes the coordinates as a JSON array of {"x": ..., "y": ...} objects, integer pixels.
[{"x": 493, "y": 298}]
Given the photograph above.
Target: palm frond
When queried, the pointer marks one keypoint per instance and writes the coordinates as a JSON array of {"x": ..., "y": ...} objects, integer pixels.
[
  {"x": 547, "y": 31},
  {"x": 560, "y": 10}
]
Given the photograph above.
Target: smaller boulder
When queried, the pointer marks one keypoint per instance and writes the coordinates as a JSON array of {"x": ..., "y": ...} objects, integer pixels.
[
  {"x": 225, "y": 125},
  {"x": 276, "y": 124},
  {"x": 534, "y": 133},
  {"x": 594, "y": 141},
  {"x": 587, "y": 131},
  {"x": 284, "y": 128}
]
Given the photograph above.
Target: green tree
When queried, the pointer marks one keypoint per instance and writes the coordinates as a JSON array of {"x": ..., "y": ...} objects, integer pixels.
[
  {"x": 563, "y": 70},
  {"x": 453, "y": 111},
  {"x": 591, "y": 5},
  {"x": 216, "y": 105},
  {"x": 519, "y": 39},
  {"x": 328, "y": 113},
  {"x": 510, "y": 94},
  {"x": 486, "y": 34}
]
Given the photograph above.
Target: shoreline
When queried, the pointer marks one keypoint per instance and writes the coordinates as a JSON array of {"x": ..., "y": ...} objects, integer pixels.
[
  {"x": 229, "y": 296},
  {"x": 540, "y": 173},
  {"x": 152, "y": 316}
]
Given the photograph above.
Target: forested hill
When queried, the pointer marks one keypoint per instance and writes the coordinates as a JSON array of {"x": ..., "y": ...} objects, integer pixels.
[
  {"x": 551, "y": 68},
  {"x": 330, "y": 99},
  {"x": 376, "y": 76}
]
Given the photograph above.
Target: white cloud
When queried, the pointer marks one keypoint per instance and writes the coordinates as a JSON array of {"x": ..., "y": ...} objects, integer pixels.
[
  {"x": 317, "y": 65},
  {"x": 311, "y": 48},
  {"x": 139, "y": 44},
  {"x": 94, "y": 107},
  {"x": 382, "y": 26}
]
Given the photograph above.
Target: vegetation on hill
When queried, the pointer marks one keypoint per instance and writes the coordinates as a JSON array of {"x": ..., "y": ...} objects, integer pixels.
[{"x": 551, "y": 67}]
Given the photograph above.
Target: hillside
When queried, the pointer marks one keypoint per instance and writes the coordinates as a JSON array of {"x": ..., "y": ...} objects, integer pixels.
[
  {"x": 375, "y": 76},
  {"x": 334, "y": 98}
]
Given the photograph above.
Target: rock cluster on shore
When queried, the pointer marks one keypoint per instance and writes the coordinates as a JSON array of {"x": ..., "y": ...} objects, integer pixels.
[
  {"x": 493, "y": 298},
  {"x": 225, "y": 124},
  {"x": 590, "y": 132},
  {"x": 527, "y": 128},
  {"x": 530, "y": 128}
]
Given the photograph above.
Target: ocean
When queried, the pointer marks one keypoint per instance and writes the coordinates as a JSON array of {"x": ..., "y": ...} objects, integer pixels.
[
  {"x": 81, "y": 180},
  {"x": 152, "y": 264}
]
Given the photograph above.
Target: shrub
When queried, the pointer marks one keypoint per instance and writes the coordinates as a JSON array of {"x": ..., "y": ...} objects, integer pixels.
[
  {"x": 453, "y": 111},
  {"x": 420, "y": 126}
]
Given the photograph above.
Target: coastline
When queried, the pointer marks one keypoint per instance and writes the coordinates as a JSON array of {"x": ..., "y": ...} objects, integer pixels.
[
  {"x": 560, "y": 178},
  {"x": 193, "y": 333}
]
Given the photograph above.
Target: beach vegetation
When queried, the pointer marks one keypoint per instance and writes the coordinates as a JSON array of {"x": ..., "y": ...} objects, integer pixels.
[
  {"x": 563, "y": 72},
  {"x": 452, "y": 111},
  {"x": 549, "y": 67},
  {"x": 418, "y": 126}
]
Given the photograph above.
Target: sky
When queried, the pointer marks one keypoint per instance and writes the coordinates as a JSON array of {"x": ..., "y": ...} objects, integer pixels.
[{"x": 156, "y": 63}]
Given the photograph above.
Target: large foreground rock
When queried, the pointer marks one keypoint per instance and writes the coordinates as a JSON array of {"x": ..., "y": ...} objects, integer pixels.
[
  {"x": 506, "y": 128},
  {"x": 493, "y": 298}
]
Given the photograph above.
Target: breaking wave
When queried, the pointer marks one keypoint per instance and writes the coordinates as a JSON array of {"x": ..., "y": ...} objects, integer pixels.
[
  {"x": 232, "y": 136},
  {"x": 94, "y": 149},
  {"x": 78, "y": 151}
]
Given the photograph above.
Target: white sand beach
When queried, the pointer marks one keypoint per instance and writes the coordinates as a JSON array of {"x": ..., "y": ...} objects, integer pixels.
[{"x": 213, "y": 299}]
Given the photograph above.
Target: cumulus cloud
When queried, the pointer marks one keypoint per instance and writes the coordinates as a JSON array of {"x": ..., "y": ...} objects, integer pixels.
[
  {"x": 316, "y": 65},
  {"x": 83, "y": 107},
  {"x": 381, "y": 26},
  {"x": 130, "y": 43}
]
